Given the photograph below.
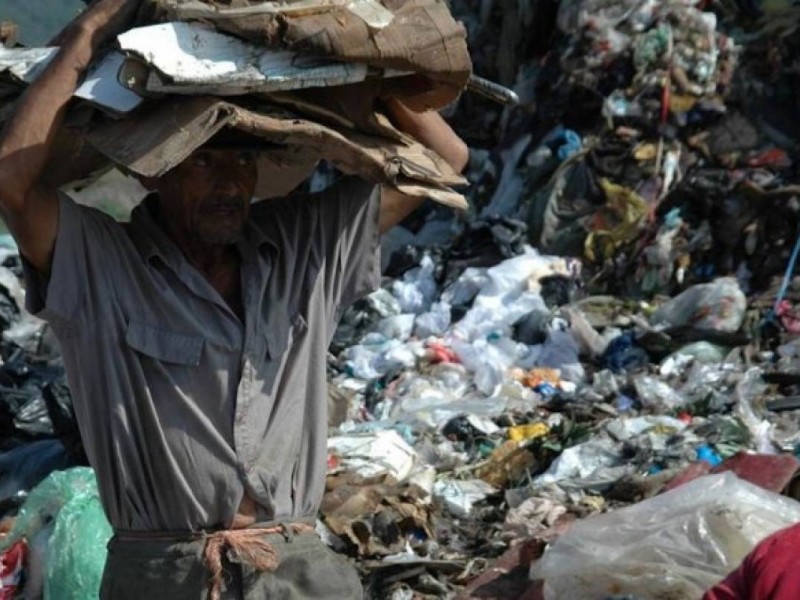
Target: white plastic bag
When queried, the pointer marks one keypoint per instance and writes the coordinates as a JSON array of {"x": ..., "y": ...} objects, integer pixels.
[
  {"x": 718, "y": 305},
  {"x": 676, "y": 545},
  {"x": 582, "y": 461},
  {"x": 511, "y": 291},
  {"x": 418, "y": 288},
  {"x": 460, "y": 495},
  {"x": 369, "y": 454},
  {"x": 488, "y": 361},
  {"x": 396, "y": 327},
  {"x": 433, "y": 323},
  {"x": 654, "y": 393},
  {"x": 560, "y": 351}
]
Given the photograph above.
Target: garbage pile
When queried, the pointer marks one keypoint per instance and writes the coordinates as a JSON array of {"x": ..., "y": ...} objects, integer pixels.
[
  {"x": 482, "y": 406},
  {"x": 657, "y": 145},
  {"x": 611, "y": 319},
  {"x": 594, "y": 371}
]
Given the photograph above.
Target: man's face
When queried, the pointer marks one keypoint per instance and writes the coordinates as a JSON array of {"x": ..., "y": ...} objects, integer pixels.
[{"x": 207, "y": 197}]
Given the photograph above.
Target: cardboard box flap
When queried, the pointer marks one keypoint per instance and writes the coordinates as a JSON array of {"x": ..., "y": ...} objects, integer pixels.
[{"x": 152, "y": 142}]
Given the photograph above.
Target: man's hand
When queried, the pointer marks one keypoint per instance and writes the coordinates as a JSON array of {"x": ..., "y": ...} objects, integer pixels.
[
  {"x": 431, "y": 130},
  {"x": 29, "y": 207}
]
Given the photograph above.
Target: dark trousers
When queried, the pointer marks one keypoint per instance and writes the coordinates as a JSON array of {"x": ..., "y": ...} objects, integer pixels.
[{"x": 170, "y": 570}]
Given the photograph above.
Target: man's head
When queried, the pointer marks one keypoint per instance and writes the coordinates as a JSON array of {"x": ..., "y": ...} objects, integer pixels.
[{"x": 206, "y": 199}]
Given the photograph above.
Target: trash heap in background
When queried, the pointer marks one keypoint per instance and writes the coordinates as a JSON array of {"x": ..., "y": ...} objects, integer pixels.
[
  {"x": 612, "y": 328},
  {"x": 611, "y": 313}
]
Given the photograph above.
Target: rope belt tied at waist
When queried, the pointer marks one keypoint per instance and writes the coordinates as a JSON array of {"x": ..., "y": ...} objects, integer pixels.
[{"x": 249, "y": 546}]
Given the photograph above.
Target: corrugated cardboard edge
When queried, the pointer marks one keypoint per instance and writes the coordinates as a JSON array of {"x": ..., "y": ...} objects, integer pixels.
[{"x": 152, "y": 142}]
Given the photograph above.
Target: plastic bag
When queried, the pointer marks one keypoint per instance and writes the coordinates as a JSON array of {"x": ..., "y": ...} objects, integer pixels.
[
  {"x": 625, "y": 429},
  {"x": 433, "y": 399},
  {"x": 26, "y": 413},
  {"x": 459, "y": 496},
  {"x": 718, "y": 305},
  {"x": 560, "y": 351},
  {"x": 375, "y": 453},
  {"x": 418, "y": 288},
  {"x": 464, "y": 289},
  {"x": 748, "y": 390},
  {"x": 623, "y": 354},
  {"x": 76, "y": 555},
  {"x": 582, "y": 461},
  {"x": 511, "y": 292},
  {"x": 654, "y": 393},
  {"x": 76, "y": 552},
  {"x": 396, "y": 327},
  {"x": 591, "y": 343},
  {"x": 433, "y": 323},
  {"x": 698, "y": 352},
  {"x": 26, "y": 333},
  {"x": 489, "y": 361},
  {"x": 23, "y": 415},
  {"x": 619, "y": 222},
  {"x": 376, "y": 356},
  {"x": 676, "y": 545},
  {"x": 12, "y": 298}
]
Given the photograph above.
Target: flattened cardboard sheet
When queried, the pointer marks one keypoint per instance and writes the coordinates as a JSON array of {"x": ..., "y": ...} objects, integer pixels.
[{"x": 152, "y": 142}]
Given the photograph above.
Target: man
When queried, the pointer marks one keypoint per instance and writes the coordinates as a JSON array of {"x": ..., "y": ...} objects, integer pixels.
[{"x": 195, "y": 342}]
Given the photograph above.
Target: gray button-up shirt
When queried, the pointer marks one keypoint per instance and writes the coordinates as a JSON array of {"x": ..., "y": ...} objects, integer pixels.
[{"x": 181, "y": 406}]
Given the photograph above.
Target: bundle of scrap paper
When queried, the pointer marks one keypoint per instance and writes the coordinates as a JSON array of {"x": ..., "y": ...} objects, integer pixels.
[{"x": 306, "y": 75}]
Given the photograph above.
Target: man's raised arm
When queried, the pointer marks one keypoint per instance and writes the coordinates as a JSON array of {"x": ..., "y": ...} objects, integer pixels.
[
  {"x": 29, "y": 207},
  {"x": 431, "y": 130}
]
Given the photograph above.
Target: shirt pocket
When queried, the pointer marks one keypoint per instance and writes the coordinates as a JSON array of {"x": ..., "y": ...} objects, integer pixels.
[{"x": 164, "y": 345}]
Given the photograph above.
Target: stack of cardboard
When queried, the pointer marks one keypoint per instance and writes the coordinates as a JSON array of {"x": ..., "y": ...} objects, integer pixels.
[{"x": 306, "y": 76}]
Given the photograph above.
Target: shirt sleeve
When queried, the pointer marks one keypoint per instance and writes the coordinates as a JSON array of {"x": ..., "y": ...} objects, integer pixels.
[
  {"x": 769, "y": 572},
  {"x": 349, "y": 234},
  {"x": 730, "y": 588},
  {"x": 78, "y": 264}
]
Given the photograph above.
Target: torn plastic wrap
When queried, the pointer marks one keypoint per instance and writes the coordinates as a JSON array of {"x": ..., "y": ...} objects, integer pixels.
[{"x": 677, "y": 544}]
